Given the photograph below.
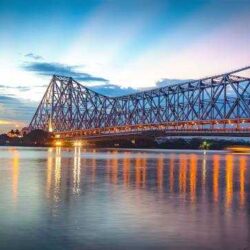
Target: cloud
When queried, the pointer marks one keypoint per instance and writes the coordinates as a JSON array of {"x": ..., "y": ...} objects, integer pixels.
[
  {"x": 113, "y": 90},
  {"x": 19, "y": 88},
  {"x": 167, "y": 82},
  {"x": 33, "y": 56},
  {"x": 46, "y": 68},
  {"x": 15, "y": 109}
]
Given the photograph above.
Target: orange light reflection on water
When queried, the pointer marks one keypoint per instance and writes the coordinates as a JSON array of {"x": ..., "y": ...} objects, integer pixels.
[
  {"x": 243, "y": 163},
  {"x": 171, "y": 174},
  {"x": 160, "y": 172},
  {"x": 182, "y": 173},
  {"x": 216, "y": 164},
  {"x": 57, "y": 172},
  {"x": 126, "y": 169},
  {"x": 15, "y": 174},
  {"x": 193, "y": 174},
  {"x": 229, "y": 180},
  {"x": 49, "y": 170}
]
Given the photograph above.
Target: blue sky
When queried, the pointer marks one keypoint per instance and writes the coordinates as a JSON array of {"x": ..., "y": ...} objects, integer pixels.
[{"x": 114, "y": 46}]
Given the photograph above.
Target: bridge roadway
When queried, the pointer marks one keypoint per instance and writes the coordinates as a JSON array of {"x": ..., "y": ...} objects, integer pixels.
[{"x": 219, "y": 128}]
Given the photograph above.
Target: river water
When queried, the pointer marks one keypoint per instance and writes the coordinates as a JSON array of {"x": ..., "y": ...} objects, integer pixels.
[{"x": 58, "y": 198}]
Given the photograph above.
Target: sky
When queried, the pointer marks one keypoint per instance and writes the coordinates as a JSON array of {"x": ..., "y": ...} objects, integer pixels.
[{"x": 114, "y": 47}]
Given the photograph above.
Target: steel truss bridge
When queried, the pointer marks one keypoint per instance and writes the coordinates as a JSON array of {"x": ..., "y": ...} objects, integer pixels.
[{"x": 217, "y": 105}]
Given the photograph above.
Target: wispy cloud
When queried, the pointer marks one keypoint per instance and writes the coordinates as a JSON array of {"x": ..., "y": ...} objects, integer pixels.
[
  {"x": 15, "y": 109},
  {"x": 167, "y": 82},
  {"x": 33, "y": 56},
  {"x": 18, "y": 88},
  {"x": 47, "y": 68},
  {"x": 113, "y": 90}
]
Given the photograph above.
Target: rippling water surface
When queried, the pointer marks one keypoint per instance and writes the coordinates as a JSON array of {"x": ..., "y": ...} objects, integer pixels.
[{"x": 56, "y": 198}]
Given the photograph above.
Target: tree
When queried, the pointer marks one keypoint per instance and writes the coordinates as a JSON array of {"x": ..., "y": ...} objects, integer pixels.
[
  {"x": 37, "y": 136},
  {"x": 205, "y": 145}
]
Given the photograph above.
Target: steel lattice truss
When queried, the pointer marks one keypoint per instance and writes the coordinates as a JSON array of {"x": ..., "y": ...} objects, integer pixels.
[{"x": 220, "y": 102}]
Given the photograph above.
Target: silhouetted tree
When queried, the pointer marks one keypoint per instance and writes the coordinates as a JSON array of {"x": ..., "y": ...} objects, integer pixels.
[{"x": 37, "y": 136}]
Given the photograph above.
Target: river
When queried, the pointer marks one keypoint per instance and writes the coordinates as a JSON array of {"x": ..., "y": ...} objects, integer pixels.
[{"x": 59, "y": 198}]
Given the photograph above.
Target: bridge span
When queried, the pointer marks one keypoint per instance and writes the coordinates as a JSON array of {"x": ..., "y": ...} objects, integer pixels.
[{"x": 217, "y": 105}]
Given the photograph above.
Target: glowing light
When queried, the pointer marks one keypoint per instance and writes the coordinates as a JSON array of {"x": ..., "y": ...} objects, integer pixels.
[
  {"x": 3, "y": 122},
  {"x": 58, "y": 143},
  {"x": 239, "y": 149},
  {"x": 50, "y": 125},
  {"x": 77, "y": 143}
]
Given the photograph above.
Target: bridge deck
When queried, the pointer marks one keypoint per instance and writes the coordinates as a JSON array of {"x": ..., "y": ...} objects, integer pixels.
[{"x": 233, "y": 127}]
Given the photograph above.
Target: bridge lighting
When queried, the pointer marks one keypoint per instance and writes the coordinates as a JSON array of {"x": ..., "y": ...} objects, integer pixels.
[
  {"x": 77, "y": 143},
  {"x": 50, "y": 125},
  {"x": 58, "y": 143}
]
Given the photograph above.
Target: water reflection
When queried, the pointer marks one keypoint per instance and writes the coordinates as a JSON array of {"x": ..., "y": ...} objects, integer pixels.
[
  {"x": 126, "y": 169},
  {"x": 201, "y": 198},
  {"x": 77, "y": 170},
  {"x": 49, "y": 170},
  {"x": 94, "y": 167},
  {"x": 189, "y": 172},
  {"x": 160, "y": 172},
  {"x": 229, "y": 180},
  {"x": 182, "y": 173},
  {"x": 193, "y": 176},
  {"x": 171, "y": 173},
  {"x": 141, "y": 170},
  {"x": 242, "y": 168},
  {"x": 58, "y": 160},
  {"x": 216, "y": 166},
  {"x": 15, "y": 173},
  {"x": 114, "y": 168}
]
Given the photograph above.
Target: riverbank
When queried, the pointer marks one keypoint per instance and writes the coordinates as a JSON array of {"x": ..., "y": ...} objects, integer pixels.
[{"x": 169, "y": 143}]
